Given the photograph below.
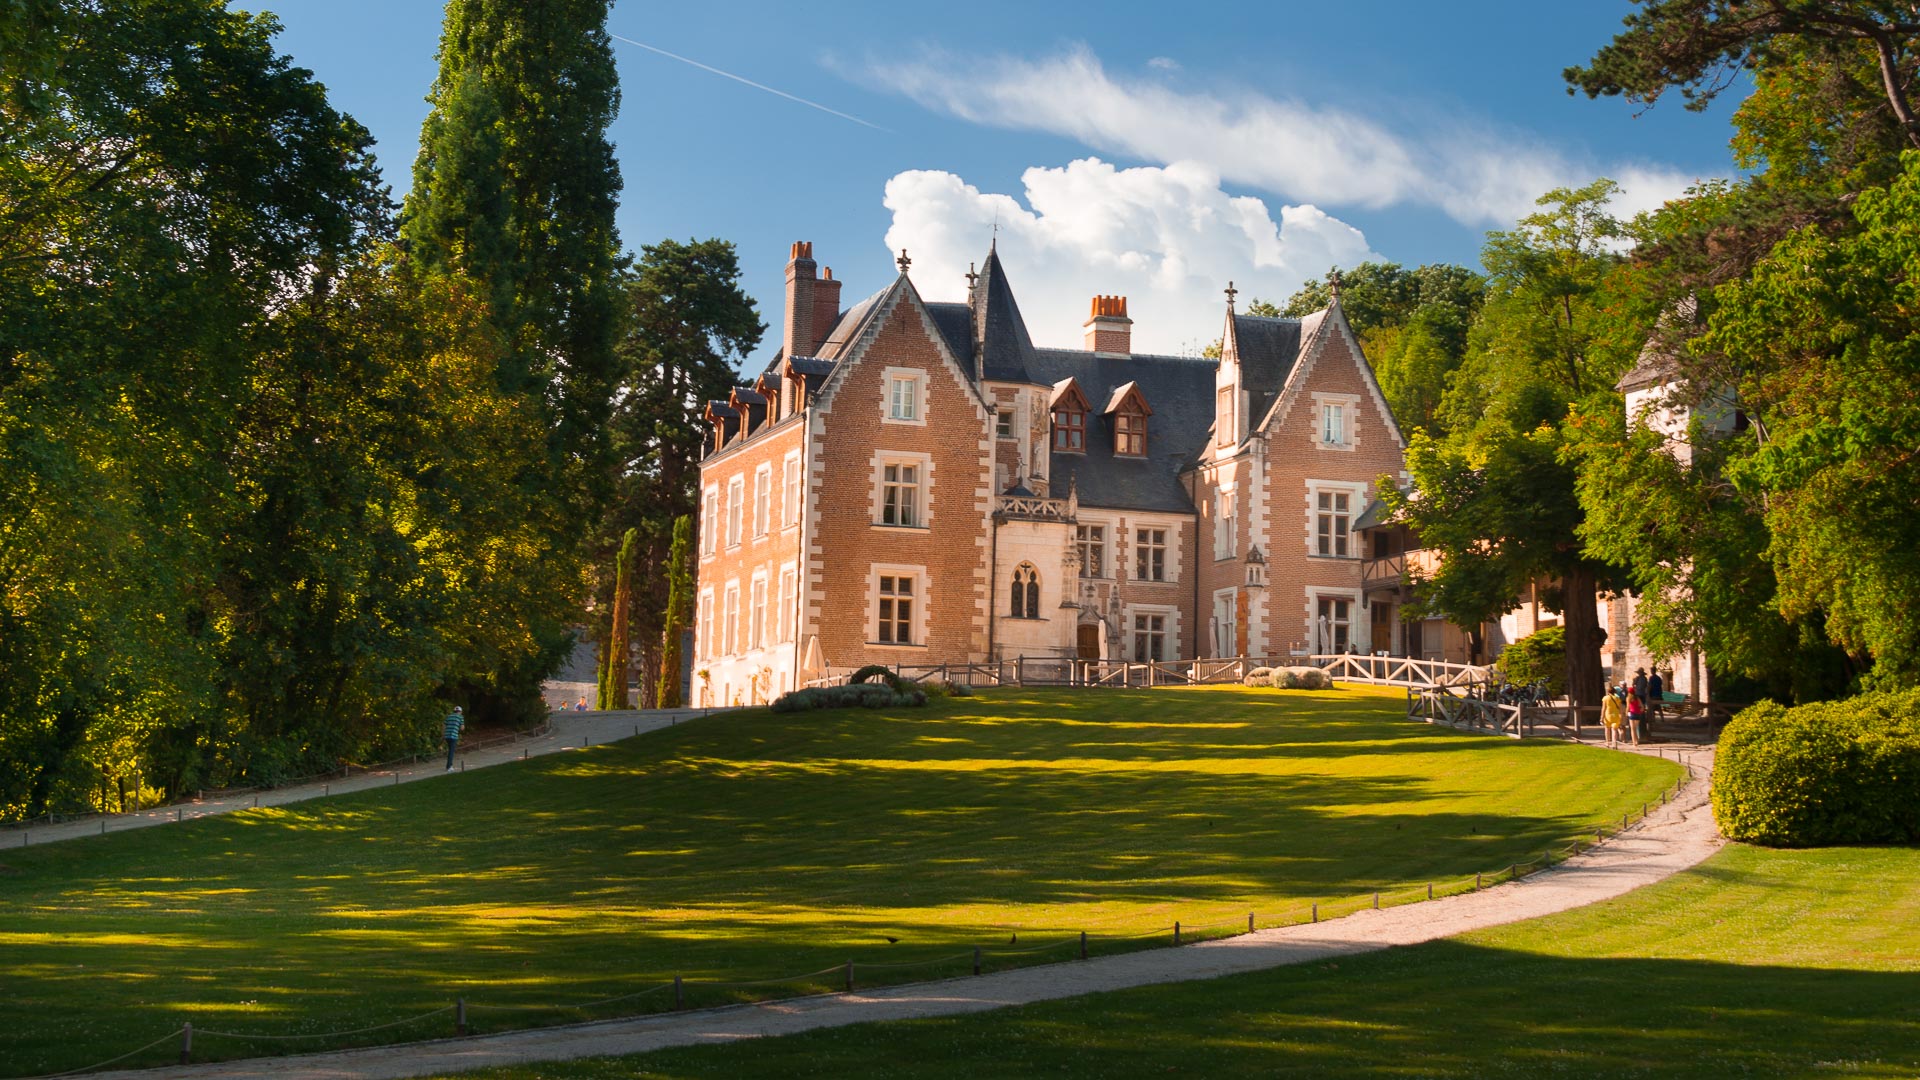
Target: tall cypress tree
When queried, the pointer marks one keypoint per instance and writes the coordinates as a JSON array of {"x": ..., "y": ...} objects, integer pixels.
[
  {"x": 515, "y": 189},
  {"x": 679, "y": 605}
]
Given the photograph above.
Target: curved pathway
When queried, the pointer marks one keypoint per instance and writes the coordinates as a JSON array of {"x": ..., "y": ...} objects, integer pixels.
[
  {"x": 568, "y": 731},
  {"x": 1673, "y": 838}
]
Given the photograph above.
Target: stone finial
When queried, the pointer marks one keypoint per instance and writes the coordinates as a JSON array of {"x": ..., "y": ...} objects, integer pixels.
[
  {"x": 1231, "y": 293},
  {"x": 903, "y": 262},
  {"x": 1333, "y": 283}
]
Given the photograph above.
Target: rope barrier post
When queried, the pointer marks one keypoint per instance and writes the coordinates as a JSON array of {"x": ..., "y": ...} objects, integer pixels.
[
  {"x": 976, "y": 959},
  {"x": 103, "y": 826},
  {"x": 176, "y": 813},
  {"x": 186, "y": 1043},
  {"x": 460, "y": 1015},
  {"x": 1376, "y": 901},
  {"x": 1316, "y": 911},
  {"x": 1249, "y": 922},
  {"x": 1083, "y": 944},
  {"x": 1513, "y": 872},
  {"x": 1176, "y": 931},
  {"x": 1476, "y": 882},
  {"x": 679, "y": 994},
  {"x": 326, "y": 790},
  {"x": 849, "y": 976},
  {"x": 1429, "y": 890}
]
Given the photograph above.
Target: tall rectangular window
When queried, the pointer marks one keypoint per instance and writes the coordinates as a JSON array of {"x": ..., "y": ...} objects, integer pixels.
[
  {"x": 736, "y": 499},
  {"x": 895, "y": 617},
  {"x": 710, "y": 522},
  {"x": 762, "y": 500},
  {"x": 1150, "y": 554},
  {"x": 789, "y": 605},
  {"x": 903, "y": 397},
  {"x": 1091, "y": 540},
  {"x": 1003, "y": 424},
  {"x": 900, "y": 495},
  {"x": 1226, "y": 635},
  {"x": 730, "y": 625},
  {"x": 703, "y": 639},
  {"x": 1149, "y": 638},
  {"x": 1335, "y": 519},
  {"x": 790, "y": 493},
  {"x": 1333, "y": 427},
  {"x": 757, "y": 614},
  {"x": 1226, "y": 526},
  {"x": 1130, "y": 434},
  {"x": 1223, "y": 422},
  {"x": 1335, "y": 619}
]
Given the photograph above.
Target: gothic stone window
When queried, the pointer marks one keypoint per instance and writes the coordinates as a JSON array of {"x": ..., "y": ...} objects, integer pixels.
[
  {"x": 1026, "y": 592},
  {"x": 1335, "y": 520},
  {"x": 1092, "y": 542},
  {"x": 1149, "y": 638},
  {"x": 1150, "y": 555},
  {"x": 896, "y": 609}
]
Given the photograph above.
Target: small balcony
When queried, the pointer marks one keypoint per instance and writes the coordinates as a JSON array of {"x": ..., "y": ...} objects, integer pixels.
[
  {"x": 1389, "y": 572},
  {"x": 1011, "y": 507}
]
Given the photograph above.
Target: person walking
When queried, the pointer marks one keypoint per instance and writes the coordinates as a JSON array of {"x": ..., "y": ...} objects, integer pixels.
[
  {"x": 456, "y": 722},
  {"x": 1636, "y": 715},
  {"x": 1656, "y": 696},
  {"x": 1612, "y": 717}
]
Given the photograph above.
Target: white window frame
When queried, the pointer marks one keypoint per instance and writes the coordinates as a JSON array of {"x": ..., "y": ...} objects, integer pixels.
[
  {"x": 1169, "y": 632},
  {"x": 1330, "y": 410},
  {"x": 1143, "y": 546},
  {"x": 762, "y": 501},
  {"x": 1225, "y": 622},
  {"x": 917, "y": 613},
  {"x": 790, "y": 491},
  {"x": 730, "y": 621},
  {"x": 789, "y": 602},
  {"x": 703, "y": 634},
  {"x": 1003, "y": 425},
  {"x": 1226, "y": 525},
  {"x": 710, "y": 521},
  {"x": 1356, "y": 502},
  {"x": 757, "y": 612},
  {"x": 736, "y": 509},
  {"x": 1083, "y": 543},
  {"x": 923, "y": 466},
  {"x": 1354, "y": 619},
  {"x": 915, "y": 381}
]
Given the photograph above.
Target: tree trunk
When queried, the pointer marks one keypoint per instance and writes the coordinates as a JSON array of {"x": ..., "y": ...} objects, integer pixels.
[{"x": 1585, "y": 684}]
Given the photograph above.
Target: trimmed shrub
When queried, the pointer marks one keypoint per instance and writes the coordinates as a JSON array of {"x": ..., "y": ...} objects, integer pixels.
[
  {"x": 881, "y": 672},
  {"x": 849, "y": 696},
  {"x": 1832, "y": 772},
  {"x": 1260, "y": 676},
  {"x": 1540, "y": 655},
  {"x": 1302, "y": 678}
]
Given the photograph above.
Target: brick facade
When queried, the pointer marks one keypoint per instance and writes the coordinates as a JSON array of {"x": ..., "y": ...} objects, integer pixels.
[{"x": 965, "y": 495}]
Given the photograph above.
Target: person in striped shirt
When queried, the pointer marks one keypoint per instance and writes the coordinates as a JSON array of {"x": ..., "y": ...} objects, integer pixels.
[{"x": 456, "y": 721}]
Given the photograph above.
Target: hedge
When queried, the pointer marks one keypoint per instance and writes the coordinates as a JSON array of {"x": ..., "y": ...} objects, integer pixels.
[
  {"x": 1540, "y": 655},
  {"x": 1832, "y": 772},
  {"x": 853, "y": 695}
]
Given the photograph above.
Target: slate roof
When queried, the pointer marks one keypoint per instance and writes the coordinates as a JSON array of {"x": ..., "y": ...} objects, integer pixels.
[
  {"x": 1654, "y": 366},
  {"x": 1179, "y": 390},
  {"x": 1268, "y": 348},
  {"x": 1007, "y": 352}
]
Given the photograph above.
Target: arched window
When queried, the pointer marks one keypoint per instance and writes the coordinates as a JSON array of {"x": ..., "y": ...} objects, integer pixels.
[{"x": 1026, "y": 592}]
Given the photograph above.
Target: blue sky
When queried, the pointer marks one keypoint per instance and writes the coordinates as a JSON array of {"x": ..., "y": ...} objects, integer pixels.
[{"x": 1151, "y": 150}]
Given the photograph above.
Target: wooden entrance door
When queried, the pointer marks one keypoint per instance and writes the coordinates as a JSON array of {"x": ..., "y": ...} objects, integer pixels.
[
  {"x": 1382, "y": 627},
  {"x": 1089, "y": 641}
]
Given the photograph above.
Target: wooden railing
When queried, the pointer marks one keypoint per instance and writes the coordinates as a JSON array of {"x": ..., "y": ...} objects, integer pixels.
[
  {"x": 1389, "y": 570},
  {"x": 1033, "y": 507}
]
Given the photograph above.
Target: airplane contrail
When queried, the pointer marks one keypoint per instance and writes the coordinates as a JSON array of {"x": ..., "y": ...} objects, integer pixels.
[{"x": 749, "y": 82}]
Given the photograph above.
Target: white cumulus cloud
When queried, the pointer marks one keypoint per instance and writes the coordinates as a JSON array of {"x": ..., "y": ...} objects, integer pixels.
[
  {"x": 1169, "y": 238},
  {"x": 1319, "y": 154}
]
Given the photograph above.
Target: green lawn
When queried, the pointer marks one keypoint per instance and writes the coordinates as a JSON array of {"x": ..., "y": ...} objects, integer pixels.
[
  {"x": 757, "y": 845},
  {"x": 1756, "y": 963}
]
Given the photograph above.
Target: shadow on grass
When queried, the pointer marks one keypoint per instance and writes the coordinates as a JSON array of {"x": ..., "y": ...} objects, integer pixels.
[{"x": 1444, "y": 1009}]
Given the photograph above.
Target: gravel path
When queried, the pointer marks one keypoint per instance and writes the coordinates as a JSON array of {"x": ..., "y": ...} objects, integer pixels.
[
  {"x": 1674, "y": 837},
  {"x": 568, "y": 731}
]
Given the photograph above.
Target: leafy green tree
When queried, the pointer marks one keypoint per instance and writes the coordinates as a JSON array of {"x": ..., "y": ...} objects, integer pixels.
[
  {"x": 687, "y": 321},
  {"x": 679, "y": 612},
  {"x": 1702, "y": 47},
  {"x": 515, "y": 189},
  {"x": 1497, "y": 494},
  {"x": 613, "y": 661}
]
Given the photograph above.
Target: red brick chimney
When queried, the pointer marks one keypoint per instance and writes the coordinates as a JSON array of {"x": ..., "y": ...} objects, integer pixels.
[
  {"x": 1108, "y": 328},
  {"x": 826, "y": 309},
  {"x": 799, "y": 339}
]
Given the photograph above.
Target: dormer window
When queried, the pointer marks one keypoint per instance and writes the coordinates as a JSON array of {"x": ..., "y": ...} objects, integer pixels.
[
  {"x": 1070, "y": 430},
  {"x": 1129, "y": 409},
  {"x": 1070, "y": 410},
  {"x": 1130, "y": 434}
]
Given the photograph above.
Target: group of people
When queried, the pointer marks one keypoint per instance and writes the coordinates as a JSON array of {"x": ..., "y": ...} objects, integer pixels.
[{"x": 1630, "y": 707}]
